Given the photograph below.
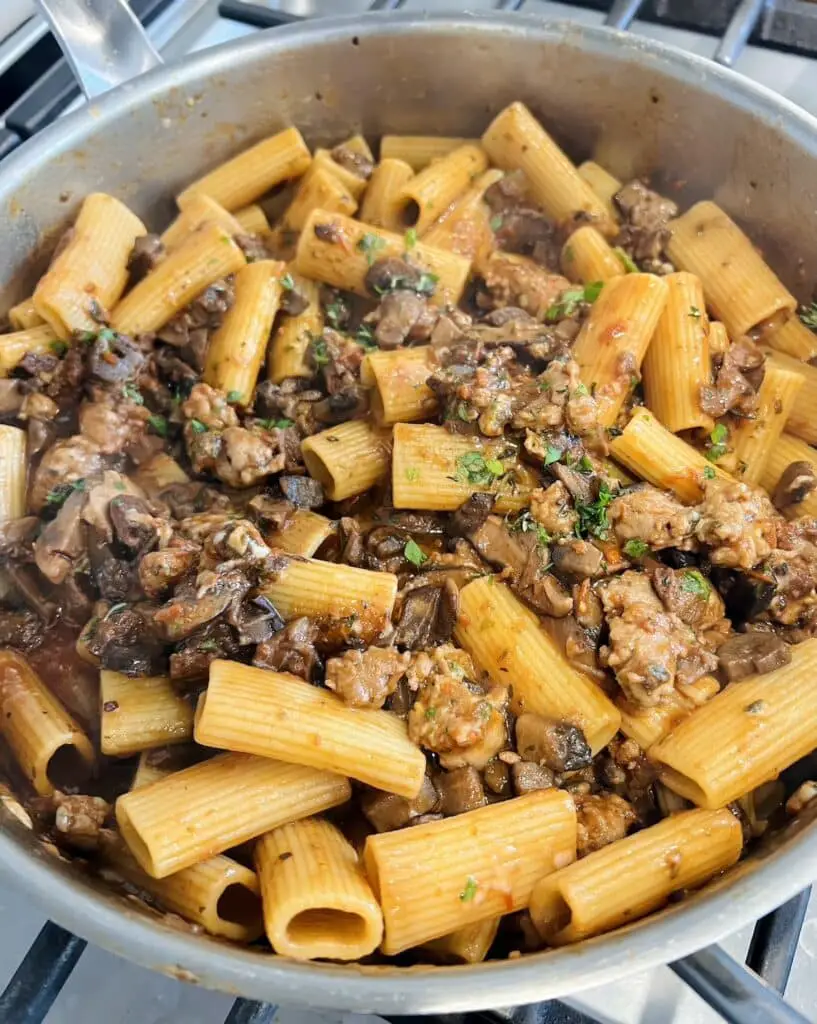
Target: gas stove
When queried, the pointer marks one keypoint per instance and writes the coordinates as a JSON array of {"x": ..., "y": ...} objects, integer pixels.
[{"x": 50, "y": 975}]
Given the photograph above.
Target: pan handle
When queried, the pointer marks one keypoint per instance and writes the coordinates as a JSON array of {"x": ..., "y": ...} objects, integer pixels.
[{"x": 102, "y": 40}]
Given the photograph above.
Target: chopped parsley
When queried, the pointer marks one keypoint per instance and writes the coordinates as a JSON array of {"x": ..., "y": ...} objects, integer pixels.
[
  {"x": 626, "y": 260},
  {"x": 422, "y": 284},
  {"x": 59, "y": 348},
  {"x": 431, "y": 713},
  {"x": 107, "y": 335},
  {"x": 496, "y": 222},
  {"x": 281, "y": 424},
  {"x": 133, "y": 393},
  {"x": 411, "y": 238},
  {"x": 365, "y": 338},
  {"x": 756, "y": 707},
  {"x": 159, "y": 424},
  {"x": 370, "y": 245},
  {"x": 709, "y": 473},
  {"x": 569, "y": 301},
  {"x": 336, "y": 313},
  {"x": 412, "y": 474},
  {"x": 414, "y": 553},
  {"x": 694, "y": 582},
  {"x": 525, "y": 523},
  {"x": 287, "y": 282},
  {"x": 474, "y": 468},
  {"x": 592, "y": 519},
  {"x": 585, "y": 464},
  {"x": 636, "y": 548},
  {"x": 57, "y": 497},
  {"x": 718, "y": 438},
  {"x": 198, "y": 427},
  {"x": 808, "y": 316},
  {"x": 695, "y": 313},
  {"x": 553, "y": 455},
  {"x": 208, "y": 647},
  {"x": 233, "y": 396},
  {"x": 320, "y": 353},
  {"x": 470, "y": 890}
]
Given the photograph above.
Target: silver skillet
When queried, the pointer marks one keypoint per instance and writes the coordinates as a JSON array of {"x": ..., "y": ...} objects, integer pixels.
[{"x": 639, "y": 108}]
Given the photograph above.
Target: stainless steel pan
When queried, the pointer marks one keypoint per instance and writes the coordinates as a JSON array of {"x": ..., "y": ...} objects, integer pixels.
[{"x": 639, "y": 108}]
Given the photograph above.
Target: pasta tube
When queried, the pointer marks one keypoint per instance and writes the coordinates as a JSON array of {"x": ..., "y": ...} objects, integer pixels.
[
  {"x": 252, "y": 219},
  {"x": 648, "y": 725},
  {"x": 468, "y": 945},
  {"x": 634, "y": 876},
  {"x": 12, "y": 473},
  {"x": 35, "y": 340},
  {"x": 614, "y": 339},
  {"x": 429, "y": 194},
  {"x": 236, "y": 351},
  {"x": 418, "y": 151},
  {"x": 677, "y": 364},
  {"x": 603, "y": 183},
  {"x": 202, "y": 258},
  {"x": 243, "y": 179},
  {"x": 331, "y": 592},
  {"x": 587, "y": 257},
  {"x": 754, "y": 440},
  {"x": 219, "y": 893},
  {"x": 347, "y": 459},
  {"x": 740, "y": 288},
  {"x": 718, "y": 338},
  {"x": 381, "y": 205},
  {"x": 434, "y": 469},
  {"x": 273, "y": 714},
  {"x": 652, "y": 453},
  {"x": 158, "y": 473},
  {"x": 787, "y": 450},
  {"x": 319, "y": 190},
  {"x": 515, "y": 139},
  {"x": 197, "y": 209},
  {"x": 302, "y": 534},
  {"x": 24, "y": 315},
  {"x": 793, "y": 339},
  {"x": 465, "y": 228},
  {"x": 323, "y": 162},
  {"x": 291, "y": 340},
  {"x": 138, "y": 714},
  {"x": 47, "y": 743},
  {"x": 468, "y": 868},
  {"x": 801, "y": 421},
  {"x": 744, "y": 736},
  {"x": 508, "y": 642},
  {"x": 317, "y": 901},
  {"x": 87, "y": 278},
  {"x": 399, "y": 377},
  {"x": 338, "y": 251},
  {"x": 196, "y": 813}
]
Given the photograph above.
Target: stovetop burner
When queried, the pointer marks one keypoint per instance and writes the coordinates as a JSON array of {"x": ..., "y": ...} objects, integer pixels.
[{"x": 36, "y": 87}]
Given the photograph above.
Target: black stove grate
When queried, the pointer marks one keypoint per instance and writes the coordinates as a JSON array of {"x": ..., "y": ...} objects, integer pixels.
[{"x": 741, "y": 995}]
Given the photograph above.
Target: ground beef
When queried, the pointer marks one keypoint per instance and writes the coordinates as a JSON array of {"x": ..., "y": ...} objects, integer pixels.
[
  {"x": 292, "y": 650},
  {"x": 210, "y": 408},
  {"x": 248, "y": 456},
  {"x": 652, "y": 516},
  {"x": 552, "y": 508},
  {"x": 65, "y": 463},
  {"x": 79, "y": 819},
  {"x": 160, "y": 571},
  {"x": 453, "y": 715},
  {"x": 481, "y": 396},
  {"x": 689, "y": 595},
  {"x": 112, "y": 422},
  {"x": 512, "y": 280},
  {"x": 558, "y": 399},
  {"x": 366, "y": 678},
  {"x": 737, "y": 523},
  {"x": 645, "y": 216},
  {"x": 737, "y": 380}
]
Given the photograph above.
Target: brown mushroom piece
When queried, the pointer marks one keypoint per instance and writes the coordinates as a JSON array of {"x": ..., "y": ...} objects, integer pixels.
[
  {"x": 388, "y": 811},
  {"x": 497, "y": 777},
  {"x": 460, "y": 790},
  {"x": 748, "y": 654},
  {"x": 559, "y": 746},
  {"x": 528, "y": 777},
  {"x": 795, "y": 485}
]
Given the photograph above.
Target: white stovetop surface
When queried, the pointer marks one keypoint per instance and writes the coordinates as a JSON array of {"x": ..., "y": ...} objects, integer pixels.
[{"x": 106, "y": 990}]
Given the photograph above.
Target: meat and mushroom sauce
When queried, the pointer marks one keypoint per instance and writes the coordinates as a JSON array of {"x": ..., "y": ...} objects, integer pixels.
[{"x": 198, "y": 494}]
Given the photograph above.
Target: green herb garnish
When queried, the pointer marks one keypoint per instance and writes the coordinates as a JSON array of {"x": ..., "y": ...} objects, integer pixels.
[
  {"x": 474, "y": 468},
  {"x": 592, "y": 516},
  {"x": 569, "y": 301},
  {"x": 412, "y": 474},
  {"x": 709, "y": 473},
  {"x": 808, "y": 315},
  {"x": 320, "y": 353},
  {"x": 470, "y": 890},
  {"x": 159, "y": 424},
  {"x": 370, "y": 245},
  {"x": 496, "y": 222},
  {"x": 695, "y": 313},
  {"x": 133, "y": 393},
  {"x": 411, "y": 238},
  {"x": 630, "y": 266},
  {"x": 718, "y": 437},
  {"x": 233, "y": 396},
  {"x": 287, "y": 282},
  {"x": 59, "y": 348},
  {"x": 553, "y": 455},
  {"x": 57, "y": 497},
  {"x": 635, "y": 548},
  {"x": 525, "y": 523},
  {"x": 198, "y": 427},
  {"x": 414, "y": 553},
  {"x": 365, "y": 338},
  {"x": 431, "y": 713},
  {"x": 695, "y": 583}
]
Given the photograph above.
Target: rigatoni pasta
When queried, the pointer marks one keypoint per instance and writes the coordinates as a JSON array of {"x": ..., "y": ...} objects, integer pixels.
[
  {"x": 587, "y": 257},
  {"x": 12, "y": 473},
  {"x": 400, "y": 393},
  {"x": 800, "y": 420},
  {"x": 427, "y": 196},
  {"x": 382, "y": 203},
  {"x": 418, "y": 151},
  {"x": 138, "y": 714},
  {"x": 348, "y": 459},
  {"x": 277, "y": 715}
]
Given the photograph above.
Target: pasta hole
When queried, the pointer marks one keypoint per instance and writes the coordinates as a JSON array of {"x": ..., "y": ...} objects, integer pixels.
[
  {"x": 239, "y": 905},
  {"x": 67, "y": 767},
  {"x": 355, "y": 41},
  {"x": 411, "y": 213},
  {"x": 319, "y": 922}
]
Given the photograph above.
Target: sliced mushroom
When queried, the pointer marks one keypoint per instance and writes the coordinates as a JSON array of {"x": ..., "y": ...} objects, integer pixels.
[
  {"x": 795, "y": 485},
  {"x": 747, "y": 654}
]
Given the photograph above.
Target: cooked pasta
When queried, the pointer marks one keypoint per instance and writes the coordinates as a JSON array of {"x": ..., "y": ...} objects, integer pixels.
[{"x": 462, "y": 493}]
